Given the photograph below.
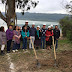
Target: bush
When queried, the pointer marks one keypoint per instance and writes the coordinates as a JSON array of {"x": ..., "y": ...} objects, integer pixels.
[{"x": 66, "y": 25}]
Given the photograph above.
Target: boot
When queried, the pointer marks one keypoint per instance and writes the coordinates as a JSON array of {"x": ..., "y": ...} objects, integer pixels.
[{"x": 2, "y": 53}]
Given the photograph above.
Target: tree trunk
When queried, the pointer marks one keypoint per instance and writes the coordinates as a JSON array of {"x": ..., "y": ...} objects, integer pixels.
[{"x": 11, "y": 12}]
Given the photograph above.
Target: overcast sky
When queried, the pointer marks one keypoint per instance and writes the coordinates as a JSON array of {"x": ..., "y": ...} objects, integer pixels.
[{"x": 46, "y": 6}]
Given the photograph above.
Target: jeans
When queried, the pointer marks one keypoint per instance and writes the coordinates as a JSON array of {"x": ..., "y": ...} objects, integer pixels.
[
  {"x": 42, "y": 41},
  {"x": 16, "y": 46},
  {"x": 33, "y": 39},
  {"x": 56, "y": 41},
  {"x": 9, "y": 45},
  {"x": 2, "y": 47},
  {"x": 25, "y": 43}
]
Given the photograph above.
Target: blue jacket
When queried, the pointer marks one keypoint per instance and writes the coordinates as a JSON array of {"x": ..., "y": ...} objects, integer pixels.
[{"x": 24, "y": 35}]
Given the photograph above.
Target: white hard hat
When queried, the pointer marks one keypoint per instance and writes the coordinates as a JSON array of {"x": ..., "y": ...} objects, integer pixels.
[
  {"x": 33, "y": 23},
  {"x": 44, "y": 24},
  {"x": 49, "y": 26},
  {"x": 38, "y": 26},
  {"x": 26, "y": 21}
]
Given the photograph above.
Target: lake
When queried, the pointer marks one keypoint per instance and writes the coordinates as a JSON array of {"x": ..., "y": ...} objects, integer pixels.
[{"x": 22, "y": 22}]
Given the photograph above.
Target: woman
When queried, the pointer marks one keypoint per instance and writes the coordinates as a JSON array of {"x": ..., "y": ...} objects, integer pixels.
[
  {"x": 25, "y": 35},
  {"x": 16, "y": 39},
  {"x": 3, "y": 40},
  {"x": 38, "y": 37},
  {"x": 49, "y": 34}
]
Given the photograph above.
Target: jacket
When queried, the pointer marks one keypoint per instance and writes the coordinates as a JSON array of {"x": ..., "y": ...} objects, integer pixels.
[
  {"x": 9, "y": 34},
  {"x": 24, "y": 34},
  {"x": 3, "y": 38},
  {"x": 27, "y": 27},
  {"x": 56, "y": 33},
  {"x": 32, "y": 31},
  {"x": 49, "y": 35},
  {"x": 36, "y": 36}
]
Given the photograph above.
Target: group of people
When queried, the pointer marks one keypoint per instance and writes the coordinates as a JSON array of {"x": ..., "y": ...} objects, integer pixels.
[{"x": 38, "y": 36}]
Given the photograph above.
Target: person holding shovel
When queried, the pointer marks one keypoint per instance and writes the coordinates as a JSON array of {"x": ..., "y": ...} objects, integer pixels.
[
  {"x": 49, "y": 35},
  {"x": 25, "y": 35},
  {"x": 43, "y": 31},
  {"x": 56, "y": 35},
  {"x": 32, "y": 35}
]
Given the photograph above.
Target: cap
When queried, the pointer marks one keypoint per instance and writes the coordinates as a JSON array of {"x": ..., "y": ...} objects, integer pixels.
[
  {"x": 49, "y": 26},
  {"x": 38, "y": 26},
  {"x": 33, "y": 23},
  {"x": 44, "y": 24},
  {"x": 26, "y": 21}
]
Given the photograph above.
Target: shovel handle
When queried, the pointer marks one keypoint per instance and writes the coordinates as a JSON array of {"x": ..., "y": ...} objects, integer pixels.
[
  {"x": 34, "y": 49},
  {"x": 54, "y": 47}
]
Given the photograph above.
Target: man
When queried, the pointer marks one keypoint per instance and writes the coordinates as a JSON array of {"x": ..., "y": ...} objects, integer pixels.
[
  {"x": 56, "y": 35},
  {"x": 43, "y": 31},
  {"x": 26, "y": 24},
  {"x": 9, "y": 34},
  {"x": 32, "y": 35}
]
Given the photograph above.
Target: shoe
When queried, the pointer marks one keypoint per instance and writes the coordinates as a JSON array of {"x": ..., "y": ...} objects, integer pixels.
[
  {"x": 8, "y": 51},
  {"x": 2, "y": 53},
  {"x": 13, "y": 51},
  {"x": 16, "y": 50},
  {"x": 23, "y": 50}
]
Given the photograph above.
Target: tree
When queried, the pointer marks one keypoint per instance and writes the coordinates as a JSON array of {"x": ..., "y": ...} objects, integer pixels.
[{"x": 12, "y": 5}]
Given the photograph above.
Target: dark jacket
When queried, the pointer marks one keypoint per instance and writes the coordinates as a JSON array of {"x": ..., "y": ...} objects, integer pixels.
[
  {"x": 43, "y": 31},
  {"x": 36, "y": 36},
  {"x": 27, "y": 27},
  {"x": 56, "y": 33},
  {"x": 32, "y": 31}
]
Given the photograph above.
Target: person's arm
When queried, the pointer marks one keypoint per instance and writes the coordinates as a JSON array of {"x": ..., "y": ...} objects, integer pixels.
[
  {"x": 7, "y": 34},
  {"x": 46, "y": 34},
  {"x": 59, "y": 33},
  {"x": 28, "y": 33}
]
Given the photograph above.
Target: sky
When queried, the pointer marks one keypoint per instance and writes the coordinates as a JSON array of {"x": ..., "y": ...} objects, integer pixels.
[{"x": 46, "y": 6}]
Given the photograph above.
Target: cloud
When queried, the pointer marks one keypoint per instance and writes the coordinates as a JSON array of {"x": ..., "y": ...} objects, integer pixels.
[{"x": 45, "y": 6}]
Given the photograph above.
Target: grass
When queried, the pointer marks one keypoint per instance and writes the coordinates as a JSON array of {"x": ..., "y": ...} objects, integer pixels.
[{"x": 22, "y": 59}]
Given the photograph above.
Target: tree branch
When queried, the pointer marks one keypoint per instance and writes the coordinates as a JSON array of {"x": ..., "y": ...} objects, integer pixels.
[{"x": 2, "y": 17}]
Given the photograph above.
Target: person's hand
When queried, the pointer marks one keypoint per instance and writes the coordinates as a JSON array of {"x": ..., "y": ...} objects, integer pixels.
[
  {"x": 39, "y": 38},
  {"x": 30, "y": 37},
  {"x": 48, "y": 36},
  {"x": 40, "y": 30},
  {"x": 52, "y": 30},
  {"x": 56, "y": 39},
  {"x": 3, "y": 42},
  {"x": 26, "y": 36}
]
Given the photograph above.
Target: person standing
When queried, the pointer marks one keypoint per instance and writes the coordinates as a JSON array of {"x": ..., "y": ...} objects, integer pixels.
[
  {"x": 3, "y": 40},
  {"x": 49, "y": 35},
  {"x": 56, "y": 35},
  {"x": 9, "y": 34},
  {"x": 25, "y": 35},
  {"x": 43, "y": 31},
  {"x": 17, "y": 35},
  {"x": 26, "y": 24},
  {"x": 32, "y": 35},
  {"x": 38, "y": 37}
]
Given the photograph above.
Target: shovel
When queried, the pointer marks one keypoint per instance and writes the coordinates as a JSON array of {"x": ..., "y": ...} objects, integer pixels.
[
  {"x": 54, "y": 52},
  {"x": 37, "y": 62}
]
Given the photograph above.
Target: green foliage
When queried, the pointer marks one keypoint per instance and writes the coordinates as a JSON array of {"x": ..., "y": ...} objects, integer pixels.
[{"x": 66, "y": 25}]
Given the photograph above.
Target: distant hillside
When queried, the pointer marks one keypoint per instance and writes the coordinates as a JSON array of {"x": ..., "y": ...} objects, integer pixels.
[{"x": 40, "y": 16}]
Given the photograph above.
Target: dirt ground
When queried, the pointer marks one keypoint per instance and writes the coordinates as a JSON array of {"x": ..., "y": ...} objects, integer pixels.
[{"x": 25, "y": 61}]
